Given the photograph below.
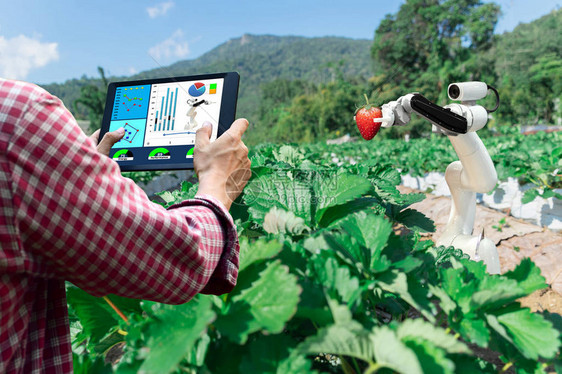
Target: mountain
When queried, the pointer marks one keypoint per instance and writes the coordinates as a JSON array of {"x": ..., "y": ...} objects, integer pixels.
[
  {"x": 258, "y": 59},
  {"x": 529, "y": 52}
]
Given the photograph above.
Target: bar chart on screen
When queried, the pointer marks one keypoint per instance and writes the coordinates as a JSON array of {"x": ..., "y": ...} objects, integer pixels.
[
  {"x": 176, "y": 112},
  {"x": 166, "y": 116}
]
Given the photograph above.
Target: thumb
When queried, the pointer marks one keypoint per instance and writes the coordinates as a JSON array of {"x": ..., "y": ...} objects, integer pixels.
[
  {"x": 109, "y": 139},
  {"x": 203, "y": 135}
]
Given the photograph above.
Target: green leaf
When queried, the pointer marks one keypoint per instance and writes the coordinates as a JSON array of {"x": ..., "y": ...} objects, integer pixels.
[
  {"x": 261, "y": 249},
  {"x": 446, "y": 302},
  {"x": 418, "y": 328},
  {"x": 96, "y": 317},
  {"x": 174, "y": 331},
  {"x": 411, "y": 198},
  {"x": 196, "y": 356},
  {"x": 409, "y": 290},
  {"x": 349, "y": 250},
  {"x": 555, "y": 319},
  {"x": 337, "y": 189},
  {"x": 335, "y": 277},
  {"x": 279, "y": 221},
  {"x": 278, "y": 190},
  {"x": 465, "y": 364},
  {"x": 533, "y": 336},
  {"x": 389, "y": 174},
  {"x": 443, "y": 254},
  {"x": 528, "y": 276},
  {"x": 529, "y": 195},
  {"x": 313, "y": 305},
  {"x": 224, "y": 358},
  {"x": 415, "y": 220},
  {"x": 187, "y": 191},
  {"x": 258, "y": 306},
  {"x": 392, "y": 353},
  {"x": 337, "y": 212},
  {"x": 371, "y": 231},
  {"x": 166, "y": 196},
  {"x": 272, "y": 355},
  {"x": 473, "y": 330},
  {"x": 111, "y": 339},
  {"x": 361, "y": 241},
  {"x": 346, "y": 338},
  {"x": 494, "y": 292},
  {"x": 82, "y": 364},
  {"x": 316, "y": 242},
  {"x": 289, "y": 154},
  {"x": 431, "y": 358},
  {"x": 295, "y": 364},
  {"x": 452, "y": 282}
]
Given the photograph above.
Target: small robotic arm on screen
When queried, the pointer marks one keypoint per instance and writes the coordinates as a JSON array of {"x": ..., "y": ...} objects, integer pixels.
[{"x": 473, "y": 173}]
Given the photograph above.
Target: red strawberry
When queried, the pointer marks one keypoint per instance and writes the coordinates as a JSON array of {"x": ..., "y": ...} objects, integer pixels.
[{"x": 364, "y": 117}]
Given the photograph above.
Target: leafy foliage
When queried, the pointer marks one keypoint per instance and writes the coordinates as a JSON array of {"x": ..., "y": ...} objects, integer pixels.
[
  {"x": 325, "y": 285},
  {"x": 533, "y": 159}
]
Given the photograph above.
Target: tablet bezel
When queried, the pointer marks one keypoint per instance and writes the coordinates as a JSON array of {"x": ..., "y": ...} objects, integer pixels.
[{"x": 226, "y": 117}]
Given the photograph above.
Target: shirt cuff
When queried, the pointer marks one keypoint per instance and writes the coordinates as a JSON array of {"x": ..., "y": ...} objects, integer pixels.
[{"x": 224, "y": 277}]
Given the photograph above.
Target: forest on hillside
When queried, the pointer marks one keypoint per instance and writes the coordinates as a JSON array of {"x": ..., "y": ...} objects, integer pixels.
[
  {"x": 423, "y": 49},
  {"x": 296, "y": 89}
]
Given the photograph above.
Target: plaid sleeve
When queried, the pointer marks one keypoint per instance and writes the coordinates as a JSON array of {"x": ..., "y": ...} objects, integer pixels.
[
  {"x": 80, "y": 220},
  {"x": 224, "y": 277}
]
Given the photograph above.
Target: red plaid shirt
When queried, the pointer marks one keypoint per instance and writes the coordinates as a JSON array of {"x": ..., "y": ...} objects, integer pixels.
[{"x": 66, "y": 213}]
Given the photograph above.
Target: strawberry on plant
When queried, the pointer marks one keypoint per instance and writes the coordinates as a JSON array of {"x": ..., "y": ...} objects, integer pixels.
[{"x": 364, "y": 117}]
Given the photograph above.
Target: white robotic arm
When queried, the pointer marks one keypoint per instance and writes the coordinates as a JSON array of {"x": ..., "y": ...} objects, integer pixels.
[{"x": 475, "y": 171}]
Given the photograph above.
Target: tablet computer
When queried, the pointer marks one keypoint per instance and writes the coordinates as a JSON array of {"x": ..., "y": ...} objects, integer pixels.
[{"x": 161, "y": 116}]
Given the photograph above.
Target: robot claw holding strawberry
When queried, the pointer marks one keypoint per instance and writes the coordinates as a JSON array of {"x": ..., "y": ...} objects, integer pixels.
[{"x": 474, "y": 173}]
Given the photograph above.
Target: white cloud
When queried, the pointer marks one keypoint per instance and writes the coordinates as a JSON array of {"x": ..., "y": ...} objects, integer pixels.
[
  {"x": 21, "y": 54},
  {"x": 174, "y": 47},
  {"x": 159, "y": 9}
]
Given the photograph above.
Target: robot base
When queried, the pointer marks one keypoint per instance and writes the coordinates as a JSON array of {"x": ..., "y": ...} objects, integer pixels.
[{"x": 487, "y": 251}]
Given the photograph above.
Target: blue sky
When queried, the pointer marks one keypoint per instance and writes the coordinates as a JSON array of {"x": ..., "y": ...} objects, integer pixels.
[{"x": 52, "y": 41}]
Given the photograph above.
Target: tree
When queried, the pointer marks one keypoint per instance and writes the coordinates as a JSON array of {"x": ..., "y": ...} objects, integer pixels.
[
  {"x": 546, "y": 83},
  {"x": 93, "y": 98},
  {"x": 528, "y": 62},
  {"x": 428, "y": 41}
]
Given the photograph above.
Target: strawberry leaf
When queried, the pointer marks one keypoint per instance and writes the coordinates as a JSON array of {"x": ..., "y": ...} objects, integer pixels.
[
  {"x": 174, "y": 331},
  {"x": 528, "y": 276},
  {"x": 257, "y": 307},
  {"x": 335, "y": 277},
  {"x": 394, "y": 354},
  {"x": 533, "y": 336},
  {"x": 418, "y": 328},
  {"x": 259, "y": 250},
  {"x": 337, "y": 189}
]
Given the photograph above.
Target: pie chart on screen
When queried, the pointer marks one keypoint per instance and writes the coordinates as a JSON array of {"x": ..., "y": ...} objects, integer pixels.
[{"x": 196, "y": 89}]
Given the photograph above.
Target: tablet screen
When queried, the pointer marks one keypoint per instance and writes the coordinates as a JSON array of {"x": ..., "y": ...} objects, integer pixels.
[{"x": 161, "y": 119}]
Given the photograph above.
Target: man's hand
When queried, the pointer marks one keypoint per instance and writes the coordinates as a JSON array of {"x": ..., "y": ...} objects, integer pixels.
[
  {"x": 223, "y": 167},
  {"x": 109, "y": 139}
]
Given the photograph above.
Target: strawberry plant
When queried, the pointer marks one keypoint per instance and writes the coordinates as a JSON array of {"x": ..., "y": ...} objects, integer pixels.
[
  {"x": 532, "y": 159},
  {"x": 328, "y": 284}
]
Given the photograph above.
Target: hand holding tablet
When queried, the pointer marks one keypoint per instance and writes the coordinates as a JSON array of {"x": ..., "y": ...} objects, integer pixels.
[
  {"x": 223, "y": 167},
  {"x": 162, "y": 116}
]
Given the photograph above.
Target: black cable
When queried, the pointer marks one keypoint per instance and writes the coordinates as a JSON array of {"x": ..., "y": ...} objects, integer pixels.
[{"x": 497, "y": 99}]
